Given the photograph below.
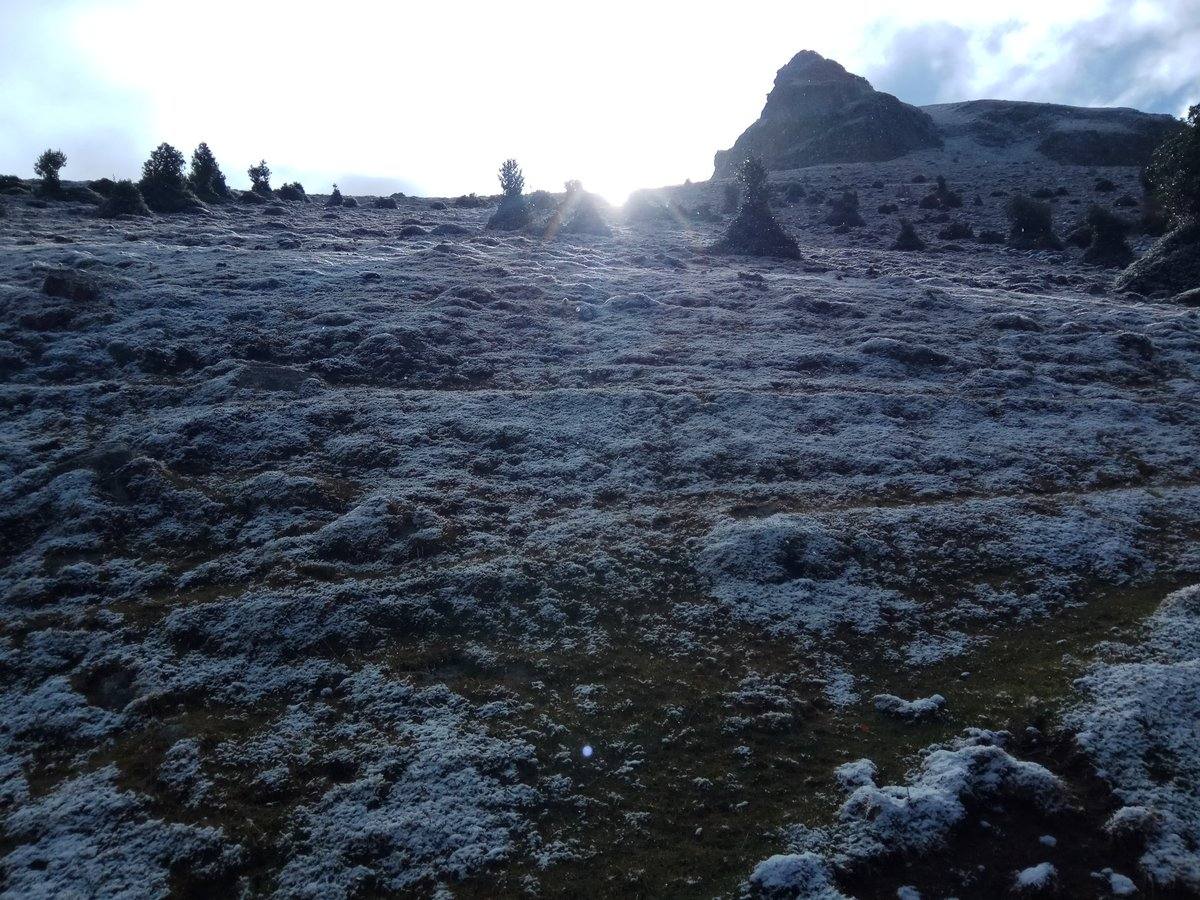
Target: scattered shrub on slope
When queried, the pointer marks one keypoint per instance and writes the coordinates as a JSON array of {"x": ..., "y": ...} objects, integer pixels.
[{"x": 755, "y": 232}]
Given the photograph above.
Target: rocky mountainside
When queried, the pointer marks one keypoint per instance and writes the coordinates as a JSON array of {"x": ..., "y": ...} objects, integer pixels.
[
  {"x": 1072, "y": 135},
  {"x": 817, "y": 112}
]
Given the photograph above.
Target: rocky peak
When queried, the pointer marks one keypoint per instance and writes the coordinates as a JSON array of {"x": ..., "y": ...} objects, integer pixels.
[{"x": 817, "y": 112}]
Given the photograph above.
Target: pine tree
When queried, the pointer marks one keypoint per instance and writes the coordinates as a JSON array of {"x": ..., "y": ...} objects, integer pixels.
[{"x": 206, "y": 178}]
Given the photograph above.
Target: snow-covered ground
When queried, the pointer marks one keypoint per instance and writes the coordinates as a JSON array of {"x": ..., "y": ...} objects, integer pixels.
[{"x": 337, "y": 562}]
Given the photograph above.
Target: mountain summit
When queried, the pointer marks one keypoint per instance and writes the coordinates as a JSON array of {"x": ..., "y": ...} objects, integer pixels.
[{"x": 817, "y": 112}]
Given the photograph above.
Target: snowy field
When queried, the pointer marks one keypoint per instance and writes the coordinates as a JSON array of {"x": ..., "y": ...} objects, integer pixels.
[{"x": 339, "y": 562}]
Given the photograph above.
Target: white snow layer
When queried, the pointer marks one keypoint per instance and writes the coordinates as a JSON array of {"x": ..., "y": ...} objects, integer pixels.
[{"x": 1139, "y": 725}]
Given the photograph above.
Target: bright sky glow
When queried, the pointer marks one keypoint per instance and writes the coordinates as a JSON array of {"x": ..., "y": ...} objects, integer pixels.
[{"x": 429, "y": 98}]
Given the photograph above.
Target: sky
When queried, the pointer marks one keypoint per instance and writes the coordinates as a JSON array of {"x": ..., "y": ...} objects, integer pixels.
[{"x": 429, "y": 98}]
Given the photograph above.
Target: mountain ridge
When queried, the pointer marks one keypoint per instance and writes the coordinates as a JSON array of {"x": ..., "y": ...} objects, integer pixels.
[{"x": 817, "y": 112}]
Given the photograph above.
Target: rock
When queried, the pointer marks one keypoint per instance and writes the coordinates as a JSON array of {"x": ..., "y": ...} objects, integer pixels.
[
  {"x": 71, "y": 284},
  {"x": 1188, "y": 298},
  {"x": 1171, "y": 266},
  {"x": 1013, "y": 322},
  {"x": 1039, "y": 879},
  {"x": 817, "y": 112},
  {"x": 1135, "y": 343},
  {"x": 910, "y": 710}
]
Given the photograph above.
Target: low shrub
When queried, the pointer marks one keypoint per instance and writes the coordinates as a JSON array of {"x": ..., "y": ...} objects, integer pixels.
[
  {"x": 957, "y": 231},
  {"x": 908, "y": 239},
  {"x": 125, "y": 199},
  {"x": 1031, "y": 225},
  {"x": 293, "y": 192},
  {"x": 941, "y": 197},
  {"x": 102, "y": 186},
  {"x": 580, "y": 212},
  {"x": 1108, "y": 247},
  {"x": 754, "y": 232},
  {"x": 844, "y": 211}
]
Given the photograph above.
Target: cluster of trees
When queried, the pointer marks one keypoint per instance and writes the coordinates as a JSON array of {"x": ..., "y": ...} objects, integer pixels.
[
  {"x": 165, "y": 186},
  {"x": 1172, "y": 182}
]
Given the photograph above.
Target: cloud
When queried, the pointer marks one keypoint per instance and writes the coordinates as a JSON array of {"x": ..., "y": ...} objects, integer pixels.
[
  {"x": 929, "y": 63},
  {"x": 1141, "y": 54},
  {"x": 51, "y": 99}
]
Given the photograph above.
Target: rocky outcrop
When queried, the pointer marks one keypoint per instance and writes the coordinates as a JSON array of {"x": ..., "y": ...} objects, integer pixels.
[
  {"x": 817, "y": 112},
  {"x": 1170, "y": 266}
]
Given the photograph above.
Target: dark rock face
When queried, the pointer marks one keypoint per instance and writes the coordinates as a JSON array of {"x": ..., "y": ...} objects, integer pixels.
[
  {"x": 1170, "y": 266},
  {"x": 817, "y": 112}
]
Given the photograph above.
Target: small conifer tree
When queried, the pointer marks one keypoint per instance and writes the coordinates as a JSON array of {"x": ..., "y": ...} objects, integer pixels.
[
  {"x": 163, "y": 184},
  {"x": 512, "y": 180},
  {"x": 260, "y": 178},
  {"x": 206, "y": 178},
  {"x": 47, "y": 168}
]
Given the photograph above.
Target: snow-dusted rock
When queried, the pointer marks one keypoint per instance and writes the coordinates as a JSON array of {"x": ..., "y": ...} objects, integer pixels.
[{"x": 912, "y": 710}]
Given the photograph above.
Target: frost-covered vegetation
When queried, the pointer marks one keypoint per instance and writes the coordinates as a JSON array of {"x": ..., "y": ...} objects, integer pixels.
[{"x": 366, "y": 550}]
